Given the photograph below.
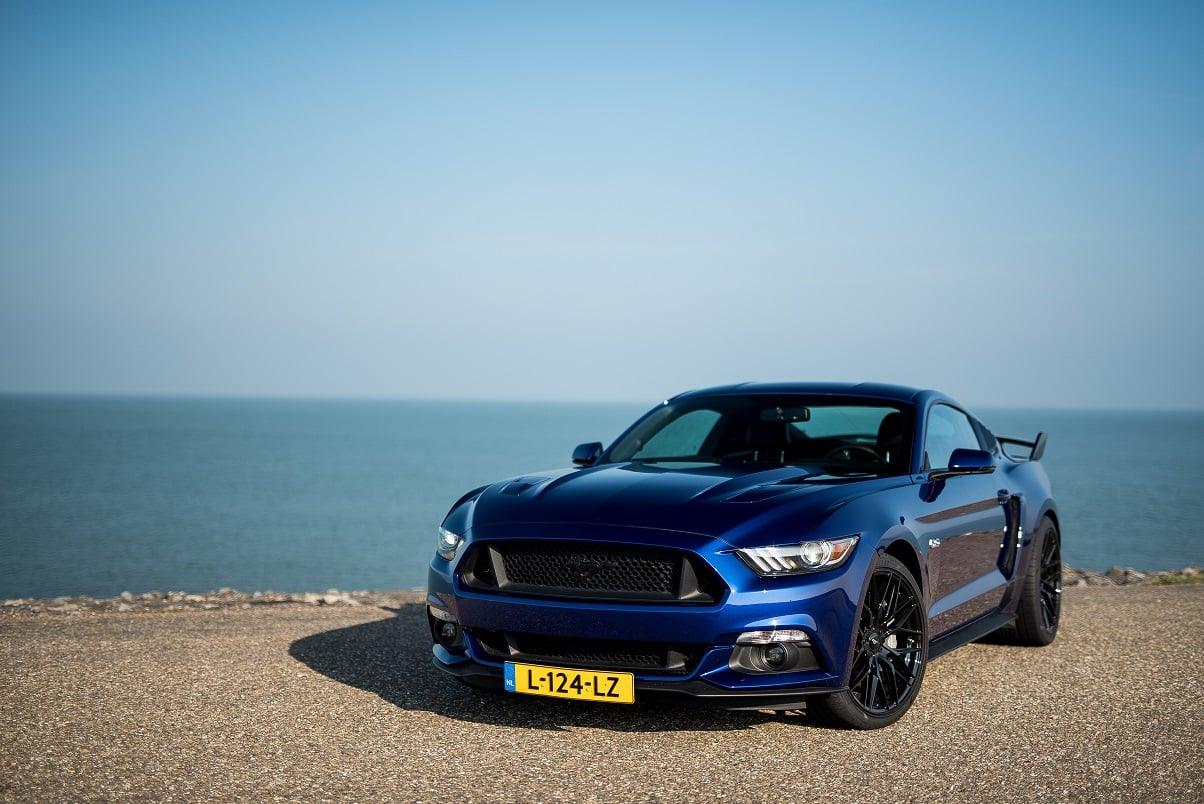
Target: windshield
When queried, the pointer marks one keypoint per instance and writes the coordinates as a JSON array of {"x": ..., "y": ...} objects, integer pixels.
[{"x": 839, "y": 435}]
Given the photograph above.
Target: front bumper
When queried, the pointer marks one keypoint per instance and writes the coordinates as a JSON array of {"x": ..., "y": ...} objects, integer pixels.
[
  {"x": 689, "y": 692},
  {"x": 821, "y": 605}
]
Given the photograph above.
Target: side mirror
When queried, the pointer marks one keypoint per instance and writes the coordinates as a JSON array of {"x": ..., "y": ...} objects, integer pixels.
[
  {"x": 586, "y": 454},
  {"x": 966, "y": 462}
]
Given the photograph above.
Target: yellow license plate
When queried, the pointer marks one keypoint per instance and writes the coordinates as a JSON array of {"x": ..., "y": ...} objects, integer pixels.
[{"x": 564, "y": 682}]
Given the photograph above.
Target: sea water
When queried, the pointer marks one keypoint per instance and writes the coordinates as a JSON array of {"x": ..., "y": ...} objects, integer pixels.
[{"x": 100, "y": 495}]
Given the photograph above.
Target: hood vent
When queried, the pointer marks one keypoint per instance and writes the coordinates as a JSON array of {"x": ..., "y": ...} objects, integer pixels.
[{"x": 516, "y": 488}]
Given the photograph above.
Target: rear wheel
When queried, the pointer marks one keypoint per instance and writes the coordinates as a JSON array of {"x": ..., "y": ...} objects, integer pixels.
[
  {"x": 1041, "y": 600},
  {"x": 889, "y": 657}
]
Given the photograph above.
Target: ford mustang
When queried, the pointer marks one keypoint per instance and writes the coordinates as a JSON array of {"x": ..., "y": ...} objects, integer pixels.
[{"x": 757, "y": 546}]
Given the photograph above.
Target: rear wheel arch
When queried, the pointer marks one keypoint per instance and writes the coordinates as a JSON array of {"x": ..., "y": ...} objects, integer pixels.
[{"x": 1052, "y": 516}]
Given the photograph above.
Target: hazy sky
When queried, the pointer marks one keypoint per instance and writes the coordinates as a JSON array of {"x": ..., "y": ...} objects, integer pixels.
[{"x": 603, "y": 201}]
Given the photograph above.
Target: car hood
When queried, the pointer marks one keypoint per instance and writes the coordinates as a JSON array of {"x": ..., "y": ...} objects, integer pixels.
[{"x": 724, "y": 502}]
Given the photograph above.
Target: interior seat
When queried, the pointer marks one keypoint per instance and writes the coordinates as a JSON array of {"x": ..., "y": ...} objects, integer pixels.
[
  {"x": 767, "y": 440},
  {"x": 890, "y": 441}
]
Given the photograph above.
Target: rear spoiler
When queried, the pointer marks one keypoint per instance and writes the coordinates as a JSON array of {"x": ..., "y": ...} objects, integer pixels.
[{"x": 1036, "y": 446}]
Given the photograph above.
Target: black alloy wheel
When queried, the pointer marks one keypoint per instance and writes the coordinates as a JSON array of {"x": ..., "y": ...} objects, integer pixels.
[
  {"x": 887, "y": 658},
  {"x": 1041, "y": 599},
  {"x": 890, "y": 654},
  {"x": 1051, "y": 583}
]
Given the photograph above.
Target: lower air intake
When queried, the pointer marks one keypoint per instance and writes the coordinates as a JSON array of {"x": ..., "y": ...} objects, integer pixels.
[{"x": 594, "y": 654}]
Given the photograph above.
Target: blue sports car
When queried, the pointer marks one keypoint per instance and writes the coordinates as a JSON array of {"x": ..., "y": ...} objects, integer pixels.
[{"x": 756, "y": 546}]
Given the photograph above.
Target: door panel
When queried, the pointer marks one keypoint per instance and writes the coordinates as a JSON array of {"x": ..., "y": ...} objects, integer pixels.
[{"x": 963, "y": 529}]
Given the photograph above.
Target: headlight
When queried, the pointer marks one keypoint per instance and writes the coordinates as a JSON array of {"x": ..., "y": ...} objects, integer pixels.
[
  {"x": 448, "y": 543},
  {"x": 797, "y": 559}
]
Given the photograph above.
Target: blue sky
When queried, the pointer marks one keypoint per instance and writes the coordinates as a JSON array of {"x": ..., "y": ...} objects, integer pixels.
[{"x": 609, "y": 201}]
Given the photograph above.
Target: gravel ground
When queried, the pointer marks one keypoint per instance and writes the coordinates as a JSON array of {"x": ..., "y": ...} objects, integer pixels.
[{"x": 340, "y": 702}]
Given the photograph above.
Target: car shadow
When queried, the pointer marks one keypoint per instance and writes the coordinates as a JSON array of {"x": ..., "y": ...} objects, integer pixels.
[{"x": 391, "y": 658}]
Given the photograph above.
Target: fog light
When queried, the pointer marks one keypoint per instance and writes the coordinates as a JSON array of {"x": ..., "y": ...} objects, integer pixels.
[
  {"x": 447, "y": 634},
  {"x": 784, "y": 650},
  {"x": 774, "y": 655},
  {"x": 445, "y": 629}
]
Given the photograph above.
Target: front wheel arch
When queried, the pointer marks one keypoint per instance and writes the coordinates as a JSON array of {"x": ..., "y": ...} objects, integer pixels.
[{"x": 906, "y": 554}]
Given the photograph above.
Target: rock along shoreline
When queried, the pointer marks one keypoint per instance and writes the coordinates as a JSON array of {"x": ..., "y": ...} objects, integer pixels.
[{"x": 226, "y": 598}]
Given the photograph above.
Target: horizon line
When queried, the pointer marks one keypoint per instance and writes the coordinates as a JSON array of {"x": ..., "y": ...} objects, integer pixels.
[{"x": 519, "y": 400}]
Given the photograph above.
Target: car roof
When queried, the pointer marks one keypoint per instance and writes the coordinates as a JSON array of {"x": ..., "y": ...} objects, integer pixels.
[{"x": 901, "y": 393}]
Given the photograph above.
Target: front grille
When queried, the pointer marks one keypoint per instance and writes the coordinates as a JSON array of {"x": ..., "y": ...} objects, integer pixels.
[
  {"x": 594, "y": 654},
  {"x": 577, "y": 571},
  {"x": 603, "y": 570}
]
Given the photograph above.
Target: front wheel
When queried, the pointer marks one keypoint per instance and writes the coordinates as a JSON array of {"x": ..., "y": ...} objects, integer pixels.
[
  {"x": 1041, "y": 598},
  {"x": 889, "y": 657}
]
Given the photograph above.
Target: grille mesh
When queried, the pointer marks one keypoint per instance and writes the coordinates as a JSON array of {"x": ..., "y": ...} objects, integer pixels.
[
  {"x": 608, "y": 654},
  {"x": 594, "y": 569},
  {"x": 590, "y": 571}
]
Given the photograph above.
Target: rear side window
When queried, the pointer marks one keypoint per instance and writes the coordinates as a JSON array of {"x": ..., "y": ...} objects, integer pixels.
[{"x": 948, "y": 429}]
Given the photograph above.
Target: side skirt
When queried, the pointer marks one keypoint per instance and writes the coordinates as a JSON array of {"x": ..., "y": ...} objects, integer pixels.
[{"x": 976, "y": 629}]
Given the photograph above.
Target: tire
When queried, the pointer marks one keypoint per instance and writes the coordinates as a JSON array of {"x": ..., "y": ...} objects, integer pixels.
[
  {"x": 1041, "y": 598},
  {"x": 889, "y": 655}
]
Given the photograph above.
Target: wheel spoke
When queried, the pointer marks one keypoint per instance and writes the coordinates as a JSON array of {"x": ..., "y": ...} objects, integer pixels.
[
  {"x": 904, "y": 654},
  {"x": 875, "y": 678},
  {"x": 891, "y": 602},
  {"x": 863, "y": 671},
  {"x": 901, "y": 616},
  {"x": 872, "y": 598},
  {"x": 1050, "y": 607},
  {"x": 890, "y": 672},
  {"x": 901, "y": 674},
  {"x": 1051, "y": 581}
]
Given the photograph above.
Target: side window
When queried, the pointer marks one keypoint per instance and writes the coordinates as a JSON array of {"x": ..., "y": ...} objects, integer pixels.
[
  {"x": 682, "y": 437},
  {"x": 948, "y": 429}
]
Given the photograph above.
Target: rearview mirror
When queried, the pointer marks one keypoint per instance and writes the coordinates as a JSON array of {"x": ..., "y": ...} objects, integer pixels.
[
  {"x": 966, "y": 462},
  {"x": 781, "y": 414}
]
